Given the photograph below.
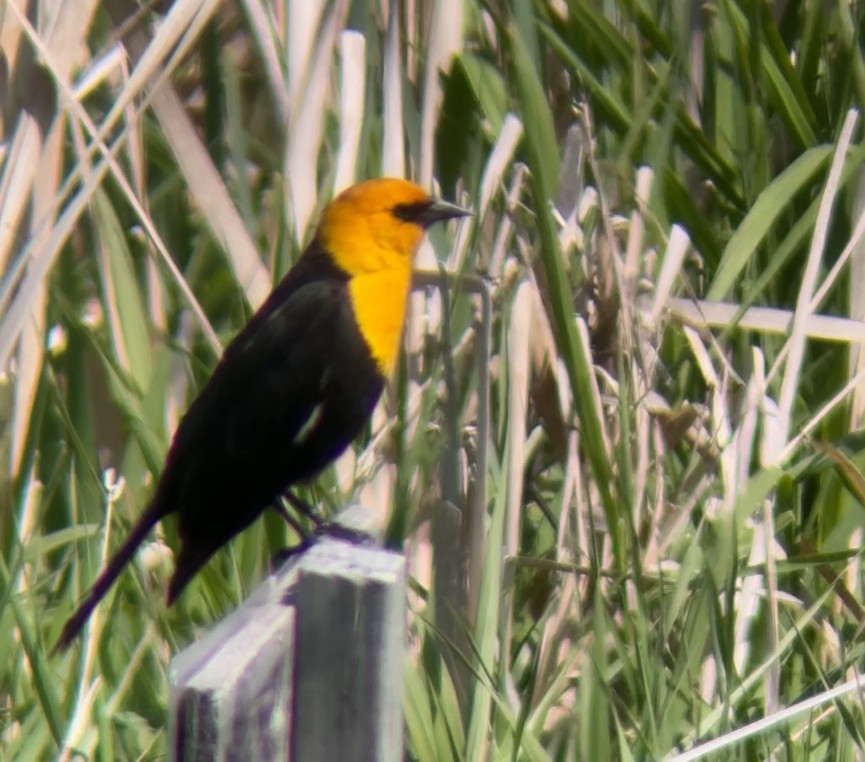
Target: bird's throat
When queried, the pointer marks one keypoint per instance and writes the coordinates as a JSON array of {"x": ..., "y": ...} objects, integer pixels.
[{"x": 379, "y": 301}]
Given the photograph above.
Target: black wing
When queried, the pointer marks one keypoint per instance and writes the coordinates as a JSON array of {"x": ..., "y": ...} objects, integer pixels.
[{"x": 292, "y": 390}]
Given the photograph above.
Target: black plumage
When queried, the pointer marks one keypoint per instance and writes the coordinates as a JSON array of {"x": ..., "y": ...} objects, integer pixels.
[{"x": 293, "y": 389}]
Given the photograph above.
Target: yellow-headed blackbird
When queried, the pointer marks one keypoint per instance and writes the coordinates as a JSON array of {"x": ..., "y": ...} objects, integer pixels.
[{"x": 295, "y": 386}]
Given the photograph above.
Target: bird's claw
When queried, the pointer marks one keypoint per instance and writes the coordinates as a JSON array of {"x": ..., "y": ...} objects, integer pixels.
[
  {"x": 327, "y": 529},
  {"x": 342, "y": 532},
  {"x": 282, "y": 555}
]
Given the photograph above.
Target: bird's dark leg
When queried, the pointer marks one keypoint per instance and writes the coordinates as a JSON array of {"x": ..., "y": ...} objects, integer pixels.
[
  {"x": 324, "y": 527},
  {"x": 290, "y": 520},
  {"x": 301, "y": 506},
  {"x": 306, "y": 539}
]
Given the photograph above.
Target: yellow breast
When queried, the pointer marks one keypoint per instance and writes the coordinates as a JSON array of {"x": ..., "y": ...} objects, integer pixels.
[{"x": 379, "y": 300}]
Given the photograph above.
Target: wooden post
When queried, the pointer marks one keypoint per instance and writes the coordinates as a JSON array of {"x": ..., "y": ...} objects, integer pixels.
[{"x": 309, "y": 668}]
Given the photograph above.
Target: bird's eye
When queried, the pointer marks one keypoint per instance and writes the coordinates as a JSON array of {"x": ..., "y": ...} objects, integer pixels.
[{"x": 414, "y": 212}]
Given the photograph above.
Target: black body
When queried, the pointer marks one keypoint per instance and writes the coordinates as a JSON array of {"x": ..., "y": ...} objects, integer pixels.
[{"x": 291, "y": 392}]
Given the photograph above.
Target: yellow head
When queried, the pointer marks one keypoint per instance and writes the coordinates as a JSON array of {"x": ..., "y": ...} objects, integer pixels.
[
  {"x": 378, "y": 225},
  {"x": 372, "y": 231}
]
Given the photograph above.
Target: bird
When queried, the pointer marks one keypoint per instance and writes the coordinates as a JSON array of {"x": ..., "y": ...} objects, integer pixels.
[{"x": 296, "y": 385}]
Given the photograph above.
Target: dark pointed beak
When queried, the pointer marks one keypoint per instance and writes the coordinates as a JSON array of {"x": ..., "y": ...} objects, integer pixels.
[
  {"x": 438, "y": 211},
  {"x": 426, "y": 213}
]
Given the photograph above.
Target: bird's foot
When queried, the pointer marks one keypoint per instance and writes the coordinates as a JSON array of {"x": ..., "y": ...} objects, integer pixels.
[
  {"x": 282, "y": 555},
  {"x": 304, "y": 508},
  {"x": 342, "y": 532}
]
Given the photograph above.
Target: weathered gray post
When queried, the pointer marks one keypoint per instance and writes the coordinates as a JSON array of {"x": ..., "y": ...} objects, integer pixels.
[{"x": 308, "y": 669}]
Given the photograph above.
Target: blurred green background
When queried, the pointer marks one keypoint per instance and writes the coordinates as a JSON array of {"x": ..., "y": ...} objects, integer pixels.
[{"x": 631, "y": 498}]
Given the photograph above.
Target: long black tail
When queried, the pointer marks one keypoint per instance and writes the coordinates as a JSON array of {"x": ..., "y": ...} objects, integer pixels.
[{"x": 155, "y": 511}]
